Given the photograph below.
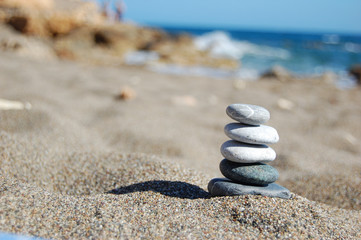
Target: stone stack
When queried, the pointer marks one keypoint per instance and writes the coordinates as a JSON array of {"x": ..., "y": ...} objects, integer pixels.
[{"x": 245, "y": 155}]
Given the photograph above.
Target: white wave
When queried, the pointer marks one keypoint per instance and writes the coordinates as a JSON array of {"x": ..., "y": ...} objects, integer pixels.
[
  {"x": 191, "y": 71},
  {"x": 353, "y": 47},
  {"x": 248, "y": 74},
  {"x": 331, "y": 39},
  {"x": 220, "y": 44},
  {"x": 140, "y": 57}
]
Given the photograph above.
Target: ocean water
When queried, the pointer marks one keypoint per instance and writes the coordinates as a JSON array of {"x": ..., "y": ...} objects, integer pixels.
[{"x": 302, "y": 54}]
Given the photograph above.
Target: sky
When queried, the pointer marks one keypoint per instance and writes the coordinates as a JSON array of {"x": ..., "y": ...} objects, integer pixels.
[{"x": 332, "y": 16}]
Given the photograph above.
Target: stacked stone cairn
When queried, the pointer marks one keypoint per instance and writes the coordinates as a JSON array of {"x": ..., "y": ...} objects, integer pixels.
[{"x": 245, "y": 155}]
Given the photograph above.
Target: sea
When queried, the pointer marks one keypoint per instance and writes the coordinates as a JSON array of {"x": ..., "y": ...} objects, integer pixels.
[{"x": 303, "y": 54}]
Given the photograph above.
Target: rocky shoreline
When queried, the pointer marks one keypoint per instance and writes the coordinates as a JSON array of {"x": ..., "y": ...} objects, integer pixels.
[{"x": 75, "y": 30}]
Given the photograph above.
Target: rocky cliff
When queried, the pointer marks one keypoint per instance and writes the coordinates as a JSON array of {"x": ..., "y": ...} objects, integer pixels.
[{"x": 76, "y": 30}]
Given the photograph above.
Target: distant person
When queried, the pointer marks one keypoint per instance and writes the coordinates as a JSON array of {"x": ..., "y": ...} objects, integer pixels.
[{"x": 119, "y": 10}]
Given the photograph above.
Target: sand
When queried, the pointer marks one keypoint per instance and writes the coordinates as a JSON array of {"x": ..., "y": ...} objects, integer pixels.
[{"x": 81, "y": 163}]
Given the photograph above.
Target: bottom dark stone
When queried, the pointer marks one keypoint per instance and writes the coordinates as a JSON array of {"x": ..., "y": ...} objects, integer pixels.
[{"x": 225, "y": 187}]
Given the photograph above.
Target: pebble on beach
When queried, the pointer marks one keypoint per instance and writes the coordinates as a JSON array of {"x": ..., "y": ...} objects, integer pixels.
[
  {"x": 248, "y": 114},
  {"x": 247, "y": 153},
  {"x": 126, "y": 94},
  {"x": 225, "y": 187},
  {"x": 252, "y": 174},
  {"x": 261, "y": 134}
]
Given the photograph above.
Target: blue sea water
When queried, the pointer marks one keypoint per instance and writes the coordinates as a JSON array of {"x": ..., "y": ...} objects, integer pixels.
[{"x": 300, "y": 53}]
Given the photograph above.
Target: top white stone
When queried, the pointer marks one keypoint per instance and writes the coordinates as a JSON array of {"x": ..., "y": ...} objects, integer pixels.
[{"x": 248, "y": 114}]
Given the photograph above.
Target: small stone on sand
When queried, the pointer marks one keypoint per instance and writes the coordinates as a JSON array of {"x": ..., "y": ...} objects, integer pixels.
[
  {"x": 127, "y": 93},
  {"x": 248, "y": 114},
  {"x": 247, "y": 153},
  {"x": 261, "y": 134},
  {"x": 225, "y": 187},
  {"x": 252, "y": 174}
]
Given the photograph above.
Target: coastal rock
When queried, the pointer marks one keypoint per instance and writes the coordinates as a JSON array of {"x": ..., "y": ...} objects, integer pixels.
[
  {"x": 250, "y": 174},
  {"x": 248, "y": 114},
  {"x": 279, "y": 73},
  {"x": 247, "y": 153},
  {"x": 356, "y": 72},
  {"x": 76, "y": 30},
  {"x": 224, "y": 187},
  {"x": 48, "y": 18},
  {"x": 12, "y": 41},
  {"x": 182, "y": 51},
  {"x": 28, "y": 4},
  {"x": 251, "y": 134}
]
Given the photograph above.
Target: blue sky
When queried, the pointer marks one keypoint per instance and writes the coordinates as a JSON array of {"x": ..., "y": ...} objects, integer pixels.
[{"x": 342, "y": 16}]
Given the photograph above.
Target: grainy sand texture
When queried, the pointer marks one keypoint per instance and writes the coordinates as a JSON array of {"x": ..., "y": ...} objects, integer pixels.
[{"x": 84, "y": 163}]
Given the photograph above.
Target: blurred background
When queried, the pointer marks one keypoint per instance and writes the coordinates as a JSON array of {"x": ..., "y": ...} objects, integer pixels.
[
  {"x": 303, "y": 37},
  {"x": 231, "y": 39}
]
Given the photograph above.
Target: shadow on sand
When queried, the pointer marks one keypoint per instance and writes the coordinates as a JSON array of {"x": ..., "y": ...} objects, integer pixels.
[{"x": 169, "y": 188}]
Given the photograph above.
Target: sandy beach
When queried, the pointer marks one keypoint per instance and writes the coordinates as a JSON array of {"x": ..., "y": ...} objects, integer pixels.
[{"x": 82, "y": 163}]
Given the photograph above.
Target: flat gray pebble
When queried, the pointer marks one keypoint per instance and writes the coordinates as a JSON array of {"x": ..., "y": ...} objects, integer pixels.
[
  {"x": 248, "y": 114},
  {"x": 225, "y": 187},
  {"x": 251, "y": 174},
  {"x": 247, "y": 153},
  {"x": 260, "y": 134}
]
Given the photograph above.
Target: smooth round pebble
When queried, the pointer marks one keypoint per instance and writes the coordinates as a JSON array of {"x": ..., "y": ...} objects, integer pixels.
[
  {"x": 245, "y": 173},
  {"x": 247, "y": 153},
  {"x": 225, "y": 187},
  {"x": 248, "y": 114},
  {"x": 260, "y": 134}
]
